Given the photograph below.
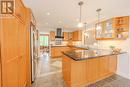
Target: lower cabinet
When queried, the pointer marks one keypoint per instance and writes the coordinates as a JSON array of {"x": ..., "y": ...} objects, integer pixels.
[
  {"x": 57, "y": 51},
  {"x": 92, "y": 70},
  {"x": 85, "y": 72},
  {"x": 103, "y": 66}
]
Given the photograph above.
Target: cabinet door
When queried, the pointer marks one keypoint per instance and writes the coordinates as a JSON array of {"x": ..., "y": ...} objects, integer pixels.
[
  {"x": 52, "y": 52},
  {"x": 58, "y": 51},
  {"x": 9, "y": 46},
  {"x": 112, "y": 64},
  {"x": 79, "y": 35},
  {"x": 109, "y": 29},
  {"x": 22, "y": 55},
  {"x": 52, "y": 35},
  {"x": 66, "y": 70},
  {"x": 92, "y": 70},
  {"x": 73, "y": 36},
  {"x": 66, "y": 36},
  {"x": 103, "y": 66},
  {"x": 78, "y": 73}
]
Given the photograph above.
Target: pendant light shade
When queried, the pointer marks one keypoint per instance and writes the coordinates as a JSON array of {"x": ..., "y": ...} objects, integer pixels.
[
  {"x": 85, "y": 32},
  {"x": 98, "y": 27},
  {"x": 80, "y": 24}
]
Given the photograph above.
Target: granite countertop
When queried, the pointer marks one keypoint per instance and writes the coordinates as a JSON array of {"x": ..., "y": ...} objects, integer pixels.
[
  {"x": 80, "y": 47},
  {"x": 78, "y": 55},
  {"x": 69, "y": 46}
]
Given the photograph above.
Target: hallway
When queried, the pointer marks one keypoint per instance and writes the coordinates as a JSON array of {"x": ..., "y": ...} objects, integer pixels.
[{"x": 49, "y": 72}]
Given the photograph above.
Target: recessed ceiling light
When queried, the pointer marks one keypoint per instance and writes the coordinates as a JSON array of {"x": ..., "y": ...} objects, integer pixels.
[
  {"x": 77, "y": 19},
  {"x": 66, "y": 26},
  {"x": 60, "y": 22},
  {"x": 46, "y": 23},
  {"x": 48, "y": 13}
]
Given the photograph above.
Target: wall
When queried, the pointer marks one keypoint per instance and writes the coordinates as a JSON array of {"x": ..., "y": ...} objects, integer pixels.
[{"x": 89, "y": 39}]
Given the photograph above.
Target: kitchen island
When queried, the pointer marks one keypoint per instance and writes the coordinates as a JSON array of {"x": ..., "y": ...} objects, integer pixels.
[{"x": 84, "y": 67}]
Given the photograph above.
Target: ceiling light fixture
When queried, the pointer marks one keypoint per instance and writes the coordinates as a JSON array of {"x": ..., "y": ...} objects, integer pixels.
[
  {"x": 85, "y": 32},
  {"x": 48, "y": 13},
  {"x": 60, "y": 22},
  {"x": 47, "y": 23},
  {"x": 98, "y": 27},
  {"x": 80, "y": 24}
]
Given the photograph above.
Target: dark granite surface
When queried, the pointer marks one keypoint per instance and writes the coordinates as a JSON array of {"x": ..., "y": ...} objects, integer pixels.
[{"x": 87, "y": 54}]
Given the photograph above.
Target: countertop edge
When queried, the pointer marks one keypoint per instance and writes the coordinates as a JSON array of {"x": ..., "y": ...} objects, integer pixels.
[{"x": 91, "y": 57}]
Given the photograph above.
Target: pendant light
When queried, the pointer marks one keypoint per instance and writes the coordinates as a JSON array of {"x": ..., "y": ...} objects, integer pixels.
[
  {"x": 80, "y": 24},
  {"x": 85, "y": 32},
  {"x": 98, "y": 27}
]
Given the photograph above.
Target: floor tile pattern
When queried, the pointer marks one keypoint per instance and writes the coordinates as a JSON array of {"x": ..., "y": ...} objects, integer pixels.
[{"x": 113, "y": 81}]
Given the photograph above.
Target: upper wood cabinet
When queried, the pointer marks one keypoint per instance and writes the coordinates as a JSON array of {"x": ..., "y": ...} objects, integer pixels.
[
  {"x": 20, "y": 10},
  {"x": 114, "y": 28},
  {"x": 52, "y": 35},
  {"x": 66, "y": 36},
  {"x": 77, "y": 35}
]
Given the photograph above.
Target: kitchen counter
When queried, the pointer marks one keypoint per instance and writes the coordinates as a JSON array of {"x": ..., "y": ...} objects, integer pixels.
[
  {"x": 95, "y": 66},
  {"x": 78, "y": 55},
  {"x": 80, "y": 47}
]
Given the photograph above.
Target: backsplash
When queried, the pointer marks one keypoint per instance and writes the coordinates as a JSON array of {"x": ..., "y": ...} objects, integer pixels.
[
  {"x": 64, "y": 43},
  {"x": 123, "y": 44}
]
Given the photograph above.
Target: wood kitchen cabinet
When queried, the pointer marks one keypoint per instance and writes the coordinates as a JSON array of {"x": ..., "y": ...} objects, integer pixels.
[
  {"x": 92, "y": 71},
  {"x": 114, "y": 28},
  {"x": 15, "y": 47},
  {"x": 112, "y": 63},
  {"x": 103, "y": 66},
  {"x": 56, "y": 51},
  {"x": 77, "y": 35},
  {"x": 66, "y": 36},
  {"x": 85, "y": 72},
  {"x": 52, "y": 35}
]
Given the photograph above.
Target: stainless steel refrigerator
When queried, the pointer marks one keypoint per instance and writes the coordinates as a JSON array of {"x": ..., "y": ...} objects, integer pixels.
[{"x": 34, "y": 52}]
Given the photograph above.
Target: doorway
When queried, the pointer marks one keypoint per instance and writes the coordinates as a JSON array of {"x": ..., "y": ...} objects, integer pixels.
[{"x": 44, "y": 43}]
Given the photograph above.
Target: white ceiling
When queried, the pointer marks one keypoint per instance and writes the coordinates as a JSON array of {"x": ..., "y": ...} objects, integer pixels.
[{"x": 64, "y": 13}]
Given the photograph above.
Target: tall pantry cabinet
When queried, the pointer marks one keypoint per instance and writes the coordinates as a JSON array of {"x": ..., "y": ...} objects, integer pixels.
[{"x": 15, "y": 48}]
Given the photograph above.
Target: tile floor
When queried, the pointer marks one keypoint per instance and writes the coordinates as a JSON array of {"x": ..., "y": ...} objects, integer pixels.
[
  {"x": 113, "y": 81},
  {"x": 49, "y": 72},
  {"x": 50, "y": 75}
]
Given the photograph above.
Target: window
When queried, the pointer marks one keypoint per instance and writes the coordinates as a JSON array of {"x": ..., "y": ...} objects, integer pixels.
[{"x": 44, "y": 40}]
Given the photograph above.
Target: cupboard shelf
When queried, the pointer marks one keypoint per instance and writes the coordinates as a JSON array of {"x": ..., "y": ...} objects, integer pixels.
[{"x": 113, "y": 28}]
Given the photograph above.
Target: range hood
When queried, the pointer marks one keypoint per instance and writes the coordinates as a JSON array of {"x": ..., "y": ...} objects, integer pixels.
[{"x": 59, "y": 33}]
